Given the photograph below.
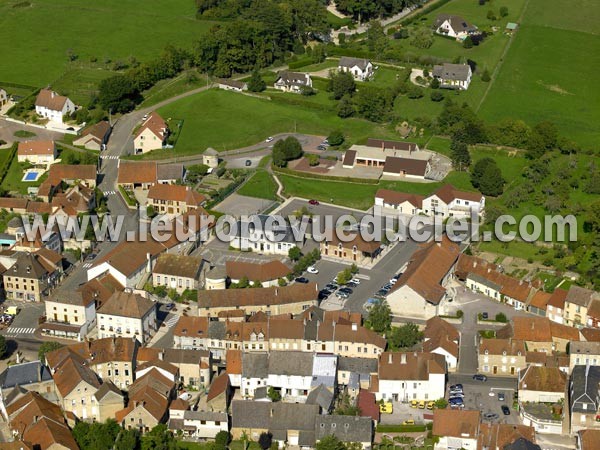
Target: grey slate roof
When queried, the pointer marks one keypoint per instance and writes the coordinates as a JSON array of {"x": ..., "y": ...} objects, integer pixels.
[
  {"x": 106, "y": 388},
  {"x": 292, "y": 416},
  {"x": 446, "y": 71},
  {"x": 291, "y": 363},
  {"x": 169, "y": 171},
  {"x": 255, "y": 365},
  {"x": 205, "y": 415},
  {"x": 584, "y": 388},
  {"x": 320, "y": 396},
  {"x": 580, "y": 296},
  {"x": 250, "y": 414},
  {"x": 522, "y": 444},
  {"x": 24, "y": 374},
  {"x": 346, "y": 61},
  {"x": 484, "y": 281},
  {"x": 292, "y": 78},
  {"x": 359, "y": 365},
  {"x": 457, "y": 23},
  {"x": 216, "y": 330},
  {"x": 345, "y": 428},
  {"x": 282, "y": 233}
]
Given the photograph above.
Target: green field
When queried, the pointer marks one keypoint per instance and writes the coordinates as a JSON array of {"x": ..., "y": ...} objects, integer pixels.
[
  {"x": 227, "y": 120},
  {"x": 81, "y": 84},
  {"x": 260, "y": 185},
  {"x": 550, "y": 72},
  {"x": 37, "y": 34}
]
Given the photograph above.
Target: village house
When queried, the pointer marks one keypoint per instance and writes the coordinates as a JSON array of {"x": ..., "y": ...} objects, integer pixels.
[
  {"x": 539, "y": 334},
  {"x": 51, "y": 106},
  {"x": 442, "y": 338},
  {"x": 421, "y": 288},
  {"x": 37, "y": 152},
  {"x": 538, "y": 304},
  {"x": 577, "y": 301},
  {"x": 144, "y": 174},
  {"x": 399, "y": 201},
  {"x": 71, "y": 174},
  {"x": 295, "y": 82},
  {"x": 361, "y": 69},
  {"x": 3, "y": 97},
  {"x": 453, "y": 26},
  {"x": 108, "y": 399},
  {"x": 31, "y": 276},
  {"x": 353, "y": 249},
  {"x": 453, "y": 76},
  {"x": 583, "y": 398},
  {"x": 348, "y": 429},
  {"x": 410, "y": 376},
  {"x": 267, "y": 274},
  {"x": 75, "y": 200},
  {"x": 174, "y": 199},
  {"x": 179, "y": 272},
  {"x": 228, "y": 84},
  {"x": 456, "y": 429},
  {"x": 359, "y": 369},
  {"x": 542, "y": 385},
  {"x": 94, "y": 137},
  {"x": 504, "y": 436},
  {"x": 448, "y": 201},
  {"x": 152, "y": 134},
  {"x": 290, "y": 373},
  {"x": 255, "y": 373},
  {"x": 127, "y": 315},
  {"x": 196, "y": 424},
  {"x": 69, "y": 315},
  {"x": 587, "y": 439},
  {"x": 193, "y": 366},
  {"x": 32, "y": 375},
  {"x": 502, "y": 357},
  {"x": 584, "y": 353},
  {"x": 263, "y": 234},
  {"x": 593, "y": 314},
  {"x": 543, "y": 359}
]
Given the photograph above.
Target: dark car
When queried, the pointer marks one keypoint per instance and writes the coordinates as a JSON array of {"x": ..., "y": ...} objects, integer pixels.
[
  {"x": 331, "y": 287},
  {"x": 301, "y": 280},
  {"x": 321, "y": 147},
  {"x": 170, "y": 306},
  {"x": 490, "y": 416},
  {"x": 456, "y": 387},
  {"x": 346, "y": 290},
  {"x": 479, "y": 377},
  {"x": 455, "y": 401},
  {"x": 323, "y": 294},
  {"x": 351, "y": 284},
  {"x": 248, "y": 163},
  {"x": 313, "y": 202},
  {"x": 90, "y": 257},
  {"x": 381, "y": 293},
  {"x": 484, "y": 316},
  {"x": 505, "y": 410}
]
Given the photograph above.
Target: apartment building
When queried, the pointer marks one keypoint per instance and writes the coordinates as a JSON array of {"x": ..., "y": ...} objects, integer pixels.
[{"x": 127, "y": 315}]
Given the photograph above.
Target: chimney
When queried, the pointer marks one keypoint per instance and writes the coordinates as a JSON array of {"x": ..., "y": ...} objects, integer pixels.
[
  {"x": 389, "y": 358},
  {"x": 149, "y": 263},
  {"x": 403, "y": 358},
  {"x": 161, "y": 355},
  {"x": 354, "y": 327}
]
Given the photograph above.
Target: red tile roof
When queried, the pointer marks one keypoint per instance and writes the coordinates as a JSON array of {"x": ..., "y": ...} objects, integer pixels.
[
  {"x": 397, "y": 198},
  {"x": 28, "y": 148}
]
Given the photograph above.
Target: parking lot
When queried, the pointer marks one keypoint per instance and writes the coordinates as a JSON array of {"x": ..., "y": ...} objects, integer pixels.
[
  {"x": 403, "y": 412},
  {"x": 239, "y": 205}
]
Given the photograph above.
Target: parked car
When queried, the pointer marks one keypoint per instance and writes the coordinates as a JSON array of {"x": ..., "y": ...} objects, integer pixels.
[
  {"x": 408, "y": 422},
  {"x": 414, "y": 403},
  {"x": 505, "y": 410},
  {"x": 422, "y": 404},
  {"x": 352, "y": 285},
  {"x": 301, "y": 280},
  {"x": 355, "y": 281},
  {"x": 386, "y": 408},
  {"x": 90, "y": 257},
  {"x": 456, "y": 387},
  {"x": 430, "y": 405},
  {"x": 387, "y": 286},
  {"x": 479, "y": 377},
  {"x": 321, "y": 147},
  {"x": 457, "y": 406},
  {"x": 269, "y": 139},
  {"x": 381, "y": 293},
  {"x": 500, "y": 396},
  {"x": 457, "y": 395},
  {"x": 342, "y": 295},
  {"x": 170, "y": 306},
  {"x": 490, "y": 416},
  {"x": 331, "y": 286},
  {"x": 484, "y": 315},
  {"x": 312, "y": 269},
  {"x": 393, "y": 281},
  {"x": 346, "y": 290},
  {"x": 455, "y": 401},
  {"x": 313, "y": 202},
  {"x": 325, "y": 142},
  {"x": 456, "y": 392},
  {"x": 323, "y": 294}
]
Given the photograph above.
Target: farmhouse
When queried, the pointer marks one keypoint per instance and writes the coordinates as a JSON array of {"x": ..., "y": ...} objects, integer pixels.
[
  {"x": 37, "y": 152},
  {"x": 292, "y": 81},
  {"x": 152, "y": 135},
  {"x": 52, "y": 106},
  {"x": 453, "y": 26},
  {"x": 174, "y": 199},
  {"x": 232, "y": 85},
  {"x": 453, "y": 76},
  {"x": 355, "y": 250},
  {"x": 94, "y": 137},
  {"x": 361, "y": 69},
  {"x": 144, "y": 174}
]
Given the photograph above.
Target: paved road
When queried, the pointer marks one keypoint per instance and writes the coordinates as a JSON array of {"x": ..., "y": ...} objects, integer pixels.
[{"x": 8, "y": 128}]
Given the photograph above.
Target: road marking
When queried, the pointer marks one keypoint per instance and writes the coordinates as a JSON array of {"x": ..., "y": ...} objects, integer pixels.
[
  {"x": 172, "y": 321},
  {"x": 87, "y": 265},
  {"x": 363, "y": 277},
  {"x": 109, "y": 192},
  {"x": 15, "y": 331},
  {"x": 109, "y": 156}
]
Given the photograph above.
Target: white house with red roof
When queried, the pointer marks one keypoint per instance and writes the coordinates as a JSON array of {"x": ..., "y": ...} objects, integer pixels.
[
  {"x": 152, "y": 134},
  {"x": 53, "y": 106},
  {"x": 448, "y": 201},
  {"x": 37, "y": 152}
]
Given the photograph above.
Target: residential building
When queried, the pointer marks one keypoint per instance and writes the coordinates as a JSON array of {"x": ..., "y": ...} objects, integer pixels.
[
  {"x": 399, "y": 201},
  {"x": 410, "y": 376},
  {"x": 538, "y": 304},
  {"x": 267, "y": 274},
  {"x": 95, "y": 137},
  {"x": 542, "y": 385},
  {"x": 31, "y": 277},
  {"x": 587, "y": 439},
  {"x": 584, "y": 353},
  {"x": 420, "y": 290},
  {"x": 69, "y": 315},
  {"x": 583, "y": 398},
  {"x": 174, "y": 199},
  {"x": 144, "y": 174},
  {"x": 52, "y": 106},
  {"x": 255, "y": 373},
  {"x": 152, "y": 134},
  {"x": 127, "y": 315},
  {"x": 577, "y": 302},
  {"x": 593, "y": 314},
  {"x": 220, "y": 393},
  {"x": 556, "y": 305},
  {"x": 33, "y": 376},
  {"x": 539, "y": 333},
  {"x": 453, "y": 76},
  {"x": 361, "y": 69},
  {"x": 77, "y": 199},
  {"x": 501, "y": 436},
  {"x": 442, "y": 338},
  {"x": 196, "y": 424},
  {"x": 448, "y": 201},
  {"x": 360, "y": 368},
  {"x": 71, "y": 174},
  {"x": 290, "y": 373},
  {"x": 3, "y": 97},
  {"x": 179, "y": 272},
  {"x": 456, "y": 429},
  {"x": 40, "y": 153},
  {"x": 348, "y": 429},
  {"x": 263, "y": 234},
  {"x": 193, "y": 366},
  {"x": 108, "y": 400},
  {"x": 353, "y": 249},
  {"x": 543, "y": 359},
  {"x": 295, "y": 82},
  {"x": 228, "y": 84},
  {"x": 76, "y": 385},
  {"x": 501, "y": 357},
  {"x": 454, "y": 26}
]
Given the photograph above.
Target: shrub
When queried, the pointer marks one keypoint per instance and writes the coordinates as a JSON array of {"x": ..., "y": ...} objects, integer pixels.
[
  {"x": 437, "y": 96},
  {"x": 414, "y": 92},
  {"x": 335, "y": 138}
]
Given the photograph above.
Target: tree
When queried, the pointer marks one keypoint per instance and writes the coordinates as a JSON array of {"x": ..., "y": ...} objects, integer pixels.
[
  {"x": 286, "y": 150},
  {"x": 340, "y": 84},
  {"x": 501, "y": 317},
  {"x": 436, "y": 96},
  {"x": 468, "y": 42},
  {"x": 313, "y": 159},
  {"x": 222, "y": 440},
  {"x": 405, "y": 336},
  {"x": 414, "y": 92},
  {"x": 3, "y": 347},
  {"x": 460, "y": 156},
  {"x": 377, "y": 41},
  {"x": 491, "y": 15},
  {"x": 273, "y": 394},
  {"x": 380, "y": 316},
  {"x": 150, "y": 211},
  {"x": 118, "y": 93},
  {"x": 256, "y": 82},
  {"x": 345, "y": 107},
  {"x": 344, "y": 276},
  {"x": 294, "y": 253},
  {"x": 485, "y": 76},
  {"x": 435, "y": 83},
  {"x": 335, "y": 138},
  {"x": 265, "y": 440},
  {"x": 97, "y": 435},
  {"x": 441, "y": 403},
  {"x": 503, "y": 11},
  {"x": 47, "y": 347},
  {"x": 159, "y": 438},
  {"x": 128, "y": 440},
  {"x": 487, "y": 177},
  {"x": 330, "y": 442},
  {"x": 195, "y": 172}
]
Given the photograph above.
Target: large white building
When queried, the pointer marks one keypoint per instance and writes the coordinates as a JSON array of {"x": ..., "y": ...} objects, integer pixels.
[
  {"x": 260, "y": 233},
  {"x": 52, "y": 106},
  {"x": 127, "y": 315}
]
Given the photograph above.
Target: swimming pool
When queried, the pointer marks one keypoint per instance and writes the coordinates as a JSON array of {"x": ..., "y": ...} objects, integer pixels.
[{"x": 32, "y": 175}]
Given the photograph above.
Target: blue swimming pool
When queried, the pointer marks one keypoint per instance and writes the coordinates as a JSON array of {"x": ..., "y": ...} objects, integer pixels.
[{"x": 31, "y": 176}]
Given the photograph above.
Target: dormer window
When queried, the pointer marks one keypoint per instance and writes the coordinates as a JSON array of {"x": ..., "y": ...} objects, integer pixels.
[
  {"x": 486, "y": 351},
  {"x": 504, "y": 353}
]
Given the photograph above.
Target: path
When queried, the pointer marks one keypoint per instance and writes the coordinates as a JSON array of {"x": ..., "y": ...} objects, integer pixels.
[{"x": 501, "y": 62}]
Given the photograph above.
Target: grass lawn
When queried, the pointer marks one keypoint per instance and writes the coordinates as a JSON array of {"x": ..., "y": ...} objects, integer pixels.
[
  {"x": 113, "y": 29},
  {"x": 327, "y": 64},
  {"x": 551, "y": 281},
  {"x": 548, "y": 73},
  {"x": 12, "y": 181},
  {"x": 227, "y": 120},
  {"x": 171, "y": 87},
  {"x": 337, "y": 22},
  {"x": 81, "y": 84},
  {"x": 260, "y": 185}
]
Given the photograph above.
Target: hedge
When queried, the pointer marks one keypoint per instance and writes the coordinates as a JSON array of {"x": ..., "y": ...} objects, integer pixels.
[
  {"x": 400, "y": 428},
  {"x": 8, "y": 161},
  {"x": 339, "y": 51},
  {"x": 315, "y": 176},
  {"x": 130, "y": 201},
  {"x": 224, "y": 193}
]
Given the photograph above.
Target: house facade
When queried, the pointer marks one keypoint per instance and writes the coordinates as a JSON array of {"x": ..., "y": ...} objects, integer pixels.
[
  {"x": 37, "y": 152},
  {"x": 53, "y": 106},
  {"x": 127, "y": 315},
  {"x": 295, "y": 82},
  {"x": 152, "y": 134},
  {"x": 453, "y": 76},
  {"x": 453, "y": 26},
  {"x": 69, "y": 316},
  {"x": 361, "y": 69},
  {"x": 501, "y": 357},
  {"x": 179, "y": 272}
]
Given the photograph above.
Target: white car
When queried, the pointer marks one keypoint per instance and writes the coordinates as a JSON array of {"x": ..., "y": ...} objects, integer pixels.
[
  {"x": 355, "y": 280},
  {"x": 312, "y": 269},
  {"x": 393, "y": 280},
  {"x": 269, "y": 139}
]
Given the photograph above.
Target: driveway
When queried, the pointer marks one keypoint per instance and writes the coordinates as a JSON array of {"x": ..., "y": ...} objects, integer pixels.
[{"x": 8, "y": 128}]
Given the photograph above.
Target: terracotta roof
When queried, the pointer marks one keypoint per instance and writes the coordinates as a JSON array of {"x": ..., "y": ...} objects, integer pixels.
[
  {"x": 232, "y": 314},
  {"x": 498, "y": 435},
  {"x": 98, "y": 130},
  {"x": 591, "y": 334},
  {"x": 517, "y": 289},
  {"x": 544, "y": 379},
  {"x": 327, "y": 331},
  {"x": 448, "y": 193},
  {"x": 151, "y": 392},
  {"x": 510, "y": 347},
  {"x": 230, "y": 298},
  {"x": 441, "y": 341},
  {"x": 39, "y": 208},
  {"x": 219, "y": 385},
  {"x": 98, "y": 351},
  {"x": 59, "y": 172},
  {"x": 561, "y": 331},
  {"x": 70, "y": 373},
  {"x": 286, "y": 329},
  {"x": 129, "y": 256},
  {"x": 27, "y": 148},
  {"x": 456, "y": 423},
  {"x": 127, "y": 304},
  {"x": 436, "y": 326},
  {"x": 392, "y": 145},
  {"x": 396, "y": 198},
  {"x": 367, "y": 405},
  {"x": 234, "y": 362},
  {"x": 176, "y": 193},
  {"x": 194, "y": 327},
  {"x": 410, "y": 365},
  {"x": 13, "y": 203},
  {"x": 179, "y": 404},
  {"x": 594, "y": 309},
  {"x": 352, "y": 240},
  {"x": 99, "y": 289},
  {"x": 588, "y": 439},
  {"x": 136, "y": 172},
  {"x": 262, "y": 272},
  {"x": 155, "y": 123},
  {"x": 46, "y": 433},
  {"x": 547, "y": 359},
  {"x": 427, "y": 268},
  {"x": 50, "y": 100},
  {"x": 533, "y": 329},
  {"x": 178, "y": 265},
  {"x": 158, "y": 364},
  {"x": 540, "y": 300},
  {"x": 395, "y": 164}
]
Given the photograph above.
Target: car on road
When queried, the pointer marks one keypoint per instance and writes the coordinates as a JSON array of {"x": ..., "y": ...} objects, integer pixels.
[
  {"x": 408, "y": 422},
  {"x": 313, "y": 202},
  {"x": 145, "y": 117},
  {"x": 248, "y": 163},
  {"x": 269, "y": 139},
  {"x": 479, "y": 377},
  {"x": 501, "y": 396},
  {"x": 355, "y": 281},
  {"x": 490, "y": 416},
  {"x": 170, "y": 306},
  {"x": 505, "y": 410},
  {"x": 484, "y": 316},
  {"x": 386, "y": 408},
  {"x": 312, "y": 269},
  {"x": 301, "y": 280},
  {"x": 90, "y": 257}
]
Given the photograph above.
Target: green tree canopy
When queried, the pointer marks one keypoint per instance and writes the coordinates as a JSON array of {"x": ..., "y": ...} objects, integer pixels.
[
  {"x": 380, "y": 316},
  {"x": 47, "y": 347},
  {"x": 256, "y": 82},
  {"x": 405, "y": 336}
]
